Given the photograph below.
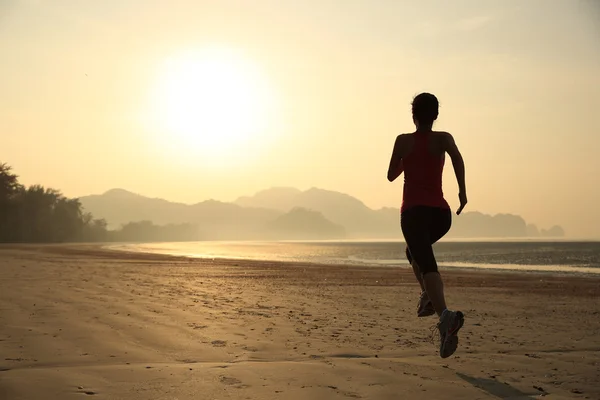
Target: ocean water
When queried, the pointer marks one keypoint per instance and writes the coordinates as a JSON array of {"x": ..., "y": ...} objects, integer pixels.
[{"x": 581, "y": 257}]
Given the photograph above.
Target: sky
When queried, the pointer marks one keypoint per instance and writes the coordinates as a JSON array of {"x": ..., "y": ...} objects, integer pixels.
[{"x": 192, "y": 100}]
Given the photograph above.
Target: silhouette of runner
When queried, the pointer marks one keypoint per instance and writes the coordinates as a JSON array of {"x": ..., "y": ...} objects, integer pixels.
[{"x": 425, "y": 214}]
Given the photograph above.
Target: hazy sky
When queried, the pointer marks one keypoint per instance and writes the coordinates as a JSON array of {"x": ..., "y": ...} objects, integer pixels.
[{"x": 81, "y": 106}]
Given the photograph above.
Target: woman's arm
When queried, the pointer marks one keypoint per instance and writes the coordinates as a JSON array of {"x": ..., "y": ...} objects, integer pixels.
[
  {"x": 396, "y": 167},
  {"x": 459, "y": 170}
]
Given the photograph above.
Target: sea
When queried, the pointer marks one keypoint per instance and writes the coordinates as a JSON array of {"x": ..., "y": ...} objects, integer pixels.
[{"x": 557, "y": 256}]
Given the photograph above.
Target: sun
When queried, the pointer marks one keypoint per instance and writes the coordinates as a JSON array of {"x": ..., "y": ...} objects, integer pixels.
[{"x": 214, "y": 103}]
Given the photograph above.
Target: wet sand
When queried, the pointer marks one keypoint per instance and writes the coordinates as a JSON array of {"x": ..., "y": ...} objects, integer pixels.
[{"x": 83, "y": 322}]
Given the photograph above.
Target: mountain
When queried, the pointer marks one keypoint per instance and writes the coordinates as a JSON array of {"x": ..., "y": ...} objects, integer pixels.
[
  {"x": 301, "y": 223},
  {"x": 288, "y": 212},
  {"x": 119, "y": 206},
  {"x": 216, "y": 219},
  {"x": 555, "y": 231},
  {"x": 476, "y": 224},
  {"x": 339, "y": 208},
  {"x": 361, "y": 221},
  {"x": 277, "y": 198}
]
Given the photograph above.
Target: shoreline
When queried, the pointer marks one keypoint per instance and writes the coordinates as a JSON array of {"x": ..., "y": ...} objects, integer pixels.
[
  {"x": 536, "y": 281},
  {"x": 563, "y": 270},
  {"x": 111, "y": 250}
]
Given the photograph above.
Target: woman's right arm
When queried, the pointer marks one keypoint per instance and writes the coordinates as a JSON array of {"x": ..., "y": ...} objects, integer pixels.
[{"x": 395, "y": 168}]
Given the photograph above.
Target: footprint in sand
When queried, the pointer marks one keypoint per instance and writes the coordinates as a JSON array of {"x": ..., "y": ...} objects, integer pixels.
[
  {"x": 345, "y": 393},
  {"x": 218, "y": 343},
  {"x": 230, "y": 381},
  {"x": 194, "y": 325},
  {"x": 227, "y": 380},
  {"x": 86, "y": 392}
]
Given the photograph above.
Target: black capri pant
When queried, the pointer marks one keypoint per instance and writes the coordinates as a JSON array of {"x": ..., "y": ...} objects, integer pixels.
[{"x": 422, "y": 226}]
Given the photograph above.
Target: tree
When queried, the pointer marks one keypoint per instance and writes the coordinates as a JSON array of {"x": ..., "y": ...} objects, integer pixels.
[
  {"x": 39, "y": 214},
  {"x": 45, "y": 215},
  {"x": 9, "y": 188},
  {"x": 9, "y": 182}
]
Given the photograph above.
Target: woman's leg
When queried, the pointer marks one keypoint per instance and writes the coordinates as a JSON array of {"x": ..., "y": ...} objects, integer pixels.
[
  {"x": 424, "y": 307},
  {"x": 417, "y": 228},
  {"x": 440, "y": 223},
  {"x": 415, "y": 268},
  {"x": 435, "y": 290},
  {"x": 421, "y": 227}
]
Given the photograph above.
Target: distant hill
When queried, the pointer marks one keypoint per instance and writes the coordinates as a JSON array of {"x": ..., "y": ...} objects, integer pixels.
[
  {"x": 300, "y": 223},
  {"x": 342, "y": 209},
  {"x": 119, "y": 206},
  {"x": 216, "y": 220},
  {"x": 555, "y": 231},
  {"x": 484, "y": 225},
  {"x": 281, "y": 211},
  {"x": 277, "y": 198}
]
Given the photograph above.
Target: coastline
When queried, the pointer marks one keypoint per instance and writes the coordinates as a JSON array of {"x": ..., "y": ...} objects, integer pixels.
[{"x": 169, "y": 249}]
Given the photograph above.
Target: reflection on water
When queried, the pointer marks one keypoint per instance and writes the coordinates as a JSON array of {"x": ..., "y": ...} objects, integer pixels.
[{"x": 554, "y": 256}]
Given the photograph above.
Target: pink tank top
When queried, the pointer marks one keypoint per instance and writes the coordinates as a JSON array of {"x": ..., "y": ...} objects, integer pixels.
[{"x": 423, "y": 176}]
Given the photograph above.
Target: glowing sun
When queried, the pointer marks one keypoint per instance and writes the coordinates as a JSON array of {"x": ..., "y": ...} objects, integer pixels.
[{"x": 213, "y": 102}]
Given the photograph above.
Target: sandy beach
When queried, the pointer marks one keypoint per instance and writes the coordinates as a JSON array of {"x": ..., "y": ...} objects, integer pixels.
[{"x": 80, "y": 321}]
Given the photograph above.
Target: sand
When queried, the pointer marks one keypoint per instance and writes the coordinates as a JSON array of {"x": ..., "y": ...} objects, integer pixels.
[{"x": 82, "y": 322}]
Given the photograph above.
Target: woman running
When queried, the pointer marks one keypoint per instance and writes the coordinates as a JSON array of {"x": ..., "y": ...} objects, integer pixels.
[{"x": 425, "y": 215}]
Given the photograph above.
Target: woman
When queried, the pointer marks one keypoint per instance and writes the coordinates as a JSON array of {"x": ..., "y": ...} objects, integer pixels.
[{"x": 425, "y": 214}]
